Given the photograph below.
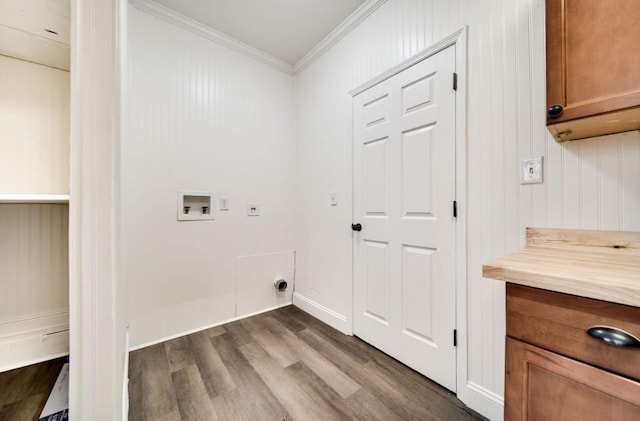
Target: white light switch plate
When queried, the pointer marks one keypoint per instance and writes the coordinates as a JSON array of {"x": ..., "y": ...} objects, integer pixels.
[
  {"x": 253, "y": 209},
  {"x": 531, "y": 171},
  {"x": 333, "y": 199},
  {"x": 224, "y": 203}
]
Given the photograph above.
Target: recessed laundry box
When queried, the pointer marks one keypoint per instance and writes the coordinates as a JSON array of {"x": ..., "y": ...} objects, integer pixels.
[{"x": 194, "y": 206}]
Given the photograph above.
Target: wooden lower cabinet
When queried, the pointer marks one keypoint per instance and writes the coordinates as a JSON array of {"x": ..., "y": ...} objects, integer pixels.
[
  {"x": 556, "y": 371},
  {"x": 543, "y": 386}
]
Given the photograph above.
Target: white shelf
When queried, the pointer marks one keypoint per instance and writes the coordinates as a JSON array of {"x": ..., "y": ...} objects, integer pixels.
[{"x": 34, "y": 198}]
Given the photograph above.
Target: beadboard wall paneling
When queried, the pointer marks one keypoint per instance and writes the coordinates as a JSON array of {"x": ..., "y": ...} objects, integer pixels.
[
  {"x": 34, "y": 269},
  {"x": 589, "y": 184},
  {"x": 201, "y": 118},
  {"x": 34, "y": 105}
]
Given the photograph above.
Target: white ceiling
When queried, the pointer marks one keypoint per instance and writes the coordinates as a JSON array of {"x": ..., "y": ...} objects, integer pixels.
[
  {"x": 286, "y": 29},
  {"x": 36, "y": 30}
]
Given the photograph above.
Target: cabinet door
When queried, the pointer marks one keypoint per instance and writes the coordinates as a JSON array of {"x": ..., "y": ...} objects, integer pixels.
[
  {"x": 542, "y": 386},
  {"x": 593, "y": 65}
]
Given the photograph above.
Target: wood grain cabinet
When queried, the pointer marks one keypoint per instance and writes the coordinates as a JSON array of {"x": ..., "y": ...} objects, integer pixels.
[
  {"x": 555, "y": 370},
  {"x": 593, "y": 67}
]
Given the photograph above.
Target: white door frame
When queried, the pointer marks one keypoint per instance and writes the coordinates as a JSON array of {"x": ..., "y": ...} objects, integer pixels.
[
  {"x": 97, "y": 326},
  {"x": 459, "y": 39}
]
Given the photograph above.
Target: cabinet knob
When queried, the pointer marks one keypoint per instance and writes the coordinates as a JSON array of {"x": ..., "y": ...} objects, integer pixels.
[
  {"x": 356, "y": 227},
  {"x": 555, "y": 110}
]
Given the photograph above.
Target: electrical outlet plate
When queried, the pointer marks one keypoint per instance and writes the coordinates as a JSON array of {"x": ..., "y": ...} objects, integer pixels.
[
  {"x": 531, "y": 171},
  {"x": 253, "y": 209}
]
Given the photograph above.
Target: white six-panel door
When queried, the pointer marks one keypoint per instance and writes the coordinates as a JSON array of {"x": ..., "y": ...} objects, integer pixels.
[{"x": 404, "y": 188}]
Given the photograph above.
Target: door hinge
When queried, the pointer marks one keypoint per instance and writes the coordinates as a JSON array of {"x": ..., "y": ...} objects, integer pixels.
[
  {"x": 455, "y": 81},
  {"x": 455, "y": 337},
  {"x": 455, "y": 209}
]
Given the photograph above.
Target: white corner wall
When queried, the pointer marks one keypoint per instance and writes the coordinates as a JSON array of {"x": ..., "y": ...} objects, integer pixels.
[
  {"x": 591, "y": 184},
  {"x": 34, "y": 128},
  {"x": 203, "y": 118}
]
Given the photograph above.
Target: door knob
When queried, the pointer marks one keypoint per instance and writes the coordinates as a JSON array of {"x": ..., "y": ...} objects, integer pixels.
[{"x": 356, "y": 227}]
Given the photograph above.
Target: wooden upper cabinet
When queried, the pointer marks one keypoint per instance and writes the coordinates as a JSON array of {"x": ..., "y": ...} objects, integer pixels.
[{"x": 593, "y": 67}]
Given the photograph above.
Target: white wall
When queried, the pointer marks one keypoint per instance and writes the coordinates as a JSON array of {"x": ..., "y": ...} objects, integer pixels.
[
  {"x": 205, "y": 118},
  {"x": 34, "y": 159},
  {"x": 591, "y": 184},
  {"x": 34, "y": 286},
  {"x": 33, "y": 260},
  {"x": 34, "y": 128}
]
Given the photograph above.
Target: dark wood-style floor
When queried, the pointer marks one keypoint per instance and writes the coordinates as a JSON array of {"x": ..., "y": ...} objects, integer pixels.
[
  {"x": 24, "y": 391},
  {"x": 280, "y": 365}
]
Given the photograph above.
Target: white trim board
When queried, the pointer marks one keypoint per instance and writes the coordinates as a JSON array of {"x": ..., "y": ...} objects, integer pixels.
[
  {"x": 34, "y": 198},
  {"x": 34, "y": 339},
  {"x": 125, "y": 379},
  {"x": 324, "y": 314},
  {"x": 96, "y": 302},
  {"x": 427, "y": 52},
  {"x": 484, "y": 401},
  {"x": 198, "y": 329}
]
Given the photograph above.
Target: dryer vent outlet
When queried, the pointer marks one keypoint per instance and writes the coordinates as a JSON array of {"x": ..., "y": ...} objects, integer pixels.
[{"x": 280, "y": 284}]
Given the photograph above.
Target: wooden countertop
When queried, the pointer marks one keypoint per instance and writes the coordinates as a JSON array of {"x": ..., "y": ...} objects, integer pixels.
[{"x": 604, "y": 265}]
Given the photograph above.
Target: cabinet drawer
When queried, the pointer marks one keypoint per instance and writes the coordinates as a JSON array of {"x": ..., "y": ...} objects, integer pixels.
[
  {"x": 542, "y": 386},
  {"x": 559, "y": 323}
]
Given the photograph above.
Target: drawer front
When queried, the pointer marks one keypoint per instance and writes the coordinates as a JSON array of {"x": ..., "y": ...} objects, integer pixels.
[
  {"x": 559, "y": 323},
  {"x": 543, "y": 386}
]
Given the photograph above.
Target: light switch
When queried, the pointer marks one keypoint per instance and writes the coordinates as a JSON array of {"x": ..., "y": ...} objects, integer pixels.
[
  {"x": 253, "y": 209},
  {"x": 531, "y": 171},
  {"x": 224, "y": 203},
  {"x": 333, "y": 199}
]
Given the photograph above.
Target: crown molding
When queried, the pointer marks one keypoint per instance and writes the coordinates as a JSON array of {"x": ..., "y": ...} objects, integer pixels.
[
  {"x": 193, "y": 26},
  {"x": 348, "y": 25}
]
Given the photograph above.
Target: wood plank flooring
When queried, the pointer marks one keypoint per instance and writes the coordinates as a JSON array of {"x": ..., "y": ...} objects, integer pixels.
[
  {"x": 24, "y": 391},
  {"x": 280, "y": 365}
]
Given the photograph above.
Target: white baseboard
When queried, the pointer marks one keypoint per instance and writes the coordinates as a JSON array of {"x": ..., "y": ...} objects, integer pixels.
[
  {"x": 484, "y": 402},
  {"x": 189, "y": 332},
  {"x": 328, "y": 316},
  {"x": 33, "y": 340}
]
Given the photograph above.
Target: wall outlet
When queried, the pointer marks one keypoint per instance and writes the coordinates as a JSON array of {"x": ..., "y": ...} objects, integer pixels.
[
  {"x": 253, "y": 209},
  {"x": 531, "y": 171},
  {"x": 224, "y": 203}
]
